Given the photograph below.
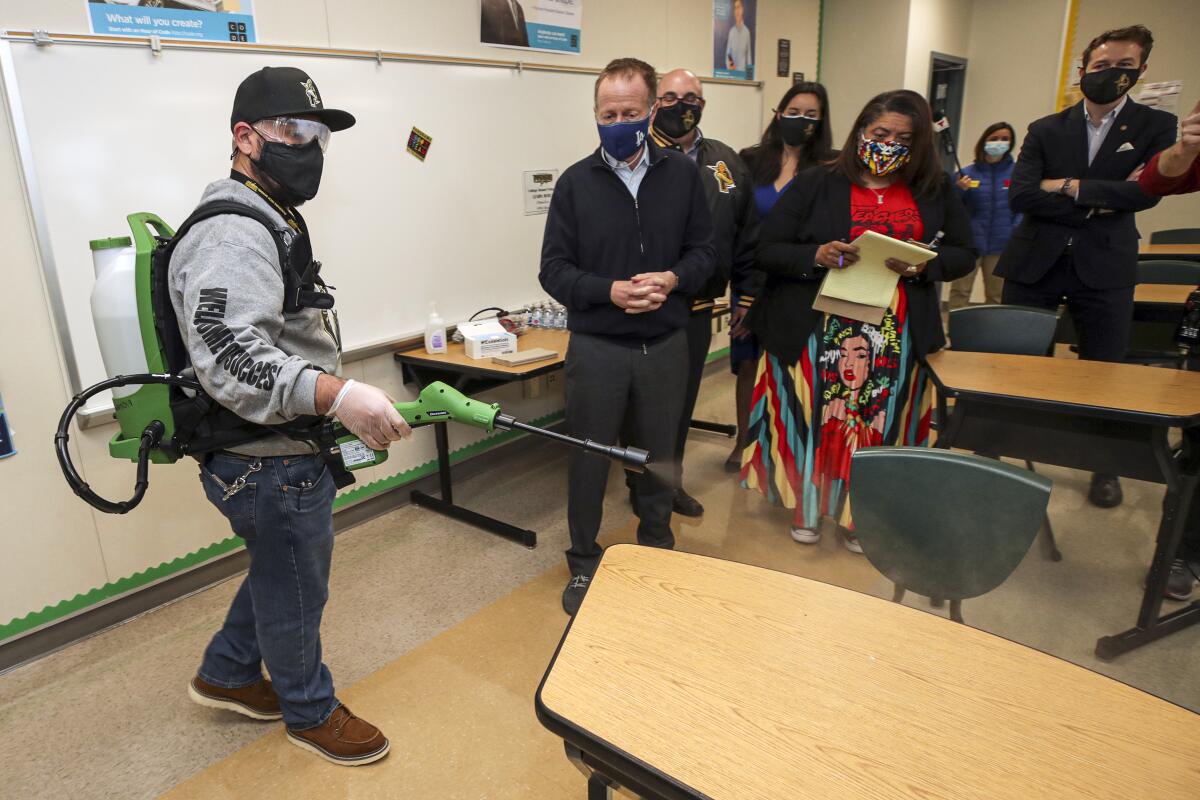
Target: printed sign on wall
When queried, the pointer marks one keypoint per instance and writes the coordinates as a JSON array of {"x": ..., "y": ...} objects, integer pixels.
[
  {"x": 539, "y": 188},
  {"x": 199, "y": 20},
  {"x": 1163, "y": 95},
  {"x": 552, "y": 25}
]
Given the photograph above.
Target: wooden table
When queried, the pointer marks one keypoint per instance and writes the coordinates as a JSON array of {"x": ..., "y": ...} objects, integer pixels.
[
  {"x": 1162, "y": 293},
  {"x": 1183, "y": 252},
  {"x": 684, "y": 676},
  {"x": 1086, "y": 415},
  {"x": 457, "y": 369}
]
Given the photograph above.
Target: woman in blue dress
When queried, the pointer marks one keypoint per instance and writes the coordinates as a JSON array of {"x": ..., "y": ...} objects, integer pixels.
[{"x": 797, "y": 138}]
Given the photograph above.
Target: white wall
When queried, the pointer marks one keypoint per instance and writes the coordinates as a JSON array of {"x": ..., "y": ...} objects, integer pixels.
[
  {"x": 1001, "y": 87},
  {"x": 871, "y": 46},
  {"x": 864, "y": 48},
  {"x": 795, "y": 20},
  {"x": 941, "y": 26},
  {"x": 52, "y": 546},
  {"x": 49, "y": 542}
]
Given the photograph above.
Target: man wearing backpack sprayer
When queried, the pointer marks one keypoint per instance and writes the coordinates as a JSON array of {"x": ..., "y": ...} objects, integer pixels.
[{"x": 270, "y": 366}]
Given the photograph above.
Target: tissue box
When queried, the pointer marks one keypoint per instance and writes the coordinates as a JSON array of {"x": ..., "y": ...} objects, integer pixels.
[{"x": 486, "y": 338}]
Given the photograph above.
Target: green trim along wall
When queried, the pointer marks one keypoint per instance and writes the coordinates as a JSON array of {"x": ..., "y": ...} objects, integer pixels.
[
  {"x": 79, "y": 602},
  {"x": 820, "y": 30},
  {"x": 715, "y": 354}
]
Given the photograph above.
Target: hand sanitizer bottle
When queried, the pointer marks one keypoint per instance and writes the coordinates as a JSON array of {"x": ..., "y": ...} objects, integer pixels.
[{"x": 435, "y": 332}]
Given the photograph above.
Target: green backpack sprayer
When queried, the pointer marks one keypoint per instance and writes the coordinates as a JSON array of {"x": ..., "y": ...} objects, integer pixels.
[{"x": 163, "y": 411}]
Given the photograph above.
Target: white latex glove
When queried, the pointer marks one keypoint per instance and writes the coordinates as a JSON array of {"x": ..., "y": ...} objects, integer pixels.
[{"x": 368, "y": 413}]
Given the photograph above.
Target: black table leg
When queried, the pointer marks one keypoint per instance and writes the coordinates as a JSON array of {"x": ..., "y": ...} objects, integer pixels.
[
  {"x": 598, "y": 788},
  {"x": 713, "y": 427},
  {"x": 1181, "y": 488},
  {"x": 445, "y": 504}
]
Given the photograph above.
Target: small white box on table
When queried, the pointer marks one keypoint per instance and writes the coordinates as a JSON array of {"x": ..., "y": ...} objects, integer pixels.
[{"x": 486, "y": 338}]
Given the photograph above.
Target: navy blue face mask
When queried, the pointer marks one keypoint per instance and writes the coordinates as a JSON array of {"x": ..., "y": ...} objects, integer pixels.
[{"x": 622, "y": 139}]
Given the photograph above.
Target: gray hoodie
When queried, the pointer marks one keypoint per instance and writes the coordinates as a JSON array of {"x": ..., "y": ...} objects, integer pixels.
[{"x": 227, "y": 289}]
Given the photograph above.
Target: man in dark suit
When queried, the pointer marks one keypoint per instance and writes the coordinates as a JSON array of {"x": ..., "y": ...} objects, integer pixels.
[
  {"x": 1075, "y": 184},
  {"x": 503, "y": 22}
]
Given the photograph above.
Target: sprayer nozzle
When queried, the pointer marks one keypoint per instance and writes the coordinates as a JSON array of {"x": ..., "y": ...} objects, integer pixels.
[{"x": 635, "y": 458}]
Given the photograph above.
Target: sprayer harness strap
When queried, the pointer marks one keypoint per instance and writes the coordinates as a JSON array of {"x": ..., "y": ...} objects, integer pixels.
[
  {"x": 164, "y": 318},
  {"x": 290, "y": 215},
  {"x": 200, "y": 415}
]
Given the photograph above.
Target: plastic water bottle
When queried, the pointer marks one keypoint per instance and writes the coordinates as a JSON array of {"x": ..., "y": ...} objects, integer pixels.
[
  {"x": 560, "y": 319},
  {"x": 535, "y": 316},
  {"x": 435, "y": 332}
]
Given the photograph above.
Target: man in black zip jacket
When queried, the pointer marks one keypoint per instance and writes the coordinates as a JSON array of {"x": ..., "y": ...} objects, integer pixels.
[
  {"x": 627, "y": 243},
  {"x": 729, "y": 192}
]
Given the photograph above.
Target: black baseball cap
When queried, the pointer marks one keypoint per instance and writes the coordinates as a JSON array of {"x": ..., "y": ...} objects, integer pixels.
[{"x": 283, "y": 92}]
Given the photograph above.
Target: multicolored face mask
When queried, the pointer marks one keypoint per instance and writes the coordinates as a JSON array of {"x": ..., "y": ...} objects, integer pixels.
[{"x": 882, "y": 158}]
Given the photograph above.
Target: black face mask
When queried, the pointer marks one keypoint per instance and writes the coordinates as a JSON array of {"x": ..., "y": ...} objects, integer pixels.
[
  {"x": 678, "y": 120},
  {"x": 1107, "y": 85},
  {"x": 795, "y": 131},
  {"x": 297, "y": 170}
]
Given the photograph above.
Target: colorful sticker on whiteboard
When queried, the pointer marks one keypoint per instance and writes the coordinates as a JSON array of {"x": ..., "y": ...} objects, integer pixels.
[
  {"x": 194, "y": 20},
  {"x": 418, "y": 143}
]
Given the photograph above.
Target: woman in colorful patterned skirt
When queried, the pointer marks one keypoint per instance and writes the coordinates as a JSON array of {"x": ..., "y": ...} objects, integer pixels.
[{"x": 826, "y": 384}]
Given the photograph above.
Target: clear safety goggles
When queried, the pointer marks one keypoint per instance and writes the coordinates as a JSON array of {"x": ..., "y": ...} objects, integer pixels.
[{"x": 294, "y": 131}]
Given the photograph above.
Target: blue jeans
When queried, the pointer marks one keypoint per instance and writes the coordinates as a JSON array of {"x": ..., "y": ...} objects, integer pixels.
[{"x": 285, "y": 514}]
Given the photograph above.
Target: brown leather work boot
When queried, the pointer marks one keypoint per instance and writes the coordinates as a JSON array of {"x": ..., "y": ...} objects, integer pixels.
[
  {"x": 257, "y": 701},
  {"x": 343, "y": 739}
]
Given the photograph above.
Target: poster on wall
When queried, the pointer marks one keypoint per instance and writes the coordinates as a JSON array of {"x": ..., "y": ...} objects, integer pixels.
[
  {"x": 1163, "y": 95},
  {"x": 734, "y": 38},
  {"x": 198, "y": 20},
  {"x": 549, "y": 25}
]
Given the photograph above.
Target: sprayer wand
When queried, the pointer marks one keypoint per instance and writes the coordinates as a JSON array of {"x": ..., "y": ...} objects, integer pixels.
[
  {"x": 437, "y": 403},
  {"x": 441, "y": 403}
]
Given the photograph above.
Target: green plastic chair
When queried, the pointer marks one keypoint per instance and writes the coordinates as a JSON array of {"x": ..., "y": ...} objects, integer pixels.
[
  {"x": 1169, "y": 271},
  {"x": 943, "y": 524},
  {"x": 1016, "y": 330},
  {"x": 1176, "y": 236}
]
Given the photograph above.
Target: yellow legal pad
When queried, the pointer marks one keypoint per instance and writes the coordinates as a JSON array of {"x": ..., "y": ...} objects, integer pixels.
[{"x": 864, "y": 291}]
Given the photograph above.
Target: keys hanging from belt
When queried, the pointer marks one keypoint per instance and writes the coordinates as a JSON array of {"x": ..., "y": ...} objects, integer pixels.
[{"x": 239, "y": 483}]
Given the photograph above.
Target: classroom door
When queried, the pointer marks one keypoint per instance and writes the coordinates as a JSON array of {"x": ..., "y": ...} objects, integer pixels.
[{"x": 947, "y": 84}]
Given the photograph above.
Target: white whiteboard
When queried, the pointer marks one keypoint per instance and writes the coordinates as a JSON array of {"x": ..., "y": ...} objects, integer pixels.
[{"x": 116, "y": 130}]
